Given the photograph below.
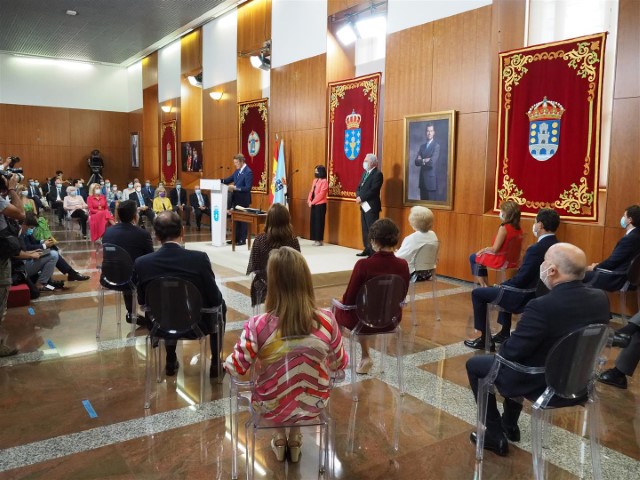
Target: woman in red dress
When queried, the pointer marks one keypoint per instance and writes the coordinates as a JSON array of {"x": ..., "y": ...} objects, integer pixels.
[
  {"x": 99, "y": 214},
  {"x": 496, "y": 255}
]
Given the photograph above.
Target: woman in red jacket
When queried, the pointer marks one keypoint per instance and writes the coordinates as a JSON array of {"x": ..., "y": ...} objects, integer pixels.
[{"x": 317, "y": 201}]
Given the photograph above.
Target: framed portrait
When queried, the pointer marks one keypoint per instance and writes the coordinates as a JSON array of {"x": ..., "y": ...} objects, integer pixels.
[
  {"x": 134, "y": 142},
  {"x": 429, "y": 159},
  {"x": 192, "y": 156}
]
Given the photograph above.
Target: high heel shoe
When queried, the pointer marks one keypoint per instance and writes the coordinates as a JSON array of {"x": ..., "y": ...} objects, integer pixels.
[
  {"x": 364, "y": 366},
  {"x": 279, "y": 446},
  {"x": 294, "y": 445}
]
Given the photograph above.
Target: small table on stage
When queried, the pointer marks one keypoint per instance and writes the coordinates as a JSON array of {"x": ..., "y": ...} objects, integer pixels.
[{"x": 252, "y": 218}]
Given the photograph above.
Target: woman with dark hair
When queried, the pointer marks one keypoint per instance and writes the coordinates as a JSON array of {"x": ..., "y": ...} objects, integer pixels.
[
  {"x": 383, "y": 237},
  {"x": 317, "y": 201},
  {"x": 278, "y": 232}
]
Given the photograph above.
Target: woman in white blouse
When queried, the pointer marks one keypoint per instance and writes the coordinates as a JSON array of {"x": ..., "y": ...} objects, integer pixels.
[{"x": 421, "y": 220}]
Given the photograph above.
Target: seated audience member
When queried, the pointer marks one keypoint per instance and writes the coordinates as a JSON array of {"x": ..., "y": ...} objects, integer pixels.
[
  {"x": 570, "y": 305},
  {"x": 133, "y": 239},
  {"x": 76, "y": 207},
  {"x": 421, "y": 220},
  {"x": 172, "y": 260},
  {"x": 113, "y": 198},
  {"x": 126, "y": 193},
  {"x": 151, "y": 192},
  {"x": 34, "y": 194},
  {"x": 544, "y": 228},
  {"x": 495, "y": 255},
  {"x": 627, "y": 248},
  {"x": 46, "y": 187},
  {"x": 291, "y": 311},
  {"x": 31, "y": 243},
  {"x": 143, "y": 202},
  {"x": 278, "y": 232},
  {"x": 107, "y": 186},
  {"x": 27, "y": 203},
  {"x": 42, "y": 194},
  {"x": 56, "y": 198},
  {"x": 200, "y": 203},
  {"x": 383, "y": 237},
  {"x": 161, "y": 203},
  {"x": 81, "y": 189},
  {"x": 99, "y": 214},
  {"x": 627, "y": 338},
  {"x": 35, "y": 263},
  {"x": 178, "y": 197}
]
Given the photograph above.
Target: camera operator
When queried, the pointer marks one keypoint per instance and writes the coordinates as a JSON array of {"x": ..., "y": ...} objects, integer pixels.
[{"x": 10, "y": 209}]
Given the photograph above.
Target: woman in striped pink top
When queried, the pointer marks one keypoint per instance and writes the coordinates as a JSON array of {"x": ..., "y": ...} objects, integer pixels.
[{"x": 291, "y": 311}]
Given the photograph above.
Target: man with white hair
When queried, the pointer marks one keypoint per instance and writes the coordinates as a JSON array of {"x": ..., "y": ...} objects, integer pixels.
[{"x": 368, "y": 198}]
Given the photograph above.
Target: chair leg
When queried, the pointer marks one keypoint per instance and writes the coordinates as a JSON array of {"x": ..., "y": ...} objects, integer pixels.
[
  {"x": 537, "y": 440},
  {"x": 351, "y": 429},
  {"x": 434, "y": 285},
  {"x": 219, "y": 339},
  {"x": 487, "y": 330},
  {"x": 399, "y": 358},
  {"x": 593, "y": 415},
  {"x": 623, "y": 306},
  {"x": 251, "y": 449},
  {"x": 233, "y": 409},
  {"x": 412, "y": 301},
  {"x": 134, "y": 312},
  {"x": 203, "y": 366},
  {"x": 147, "y": 378},
  {"x": 100, "y": 311},
  {"x": 481, "y": 427},
  {"x": 158, "y": 364},
  {"x": 354, "y": 385},
  {"x": 383, "y": 355},
  {"x": 119, "y": 297}
]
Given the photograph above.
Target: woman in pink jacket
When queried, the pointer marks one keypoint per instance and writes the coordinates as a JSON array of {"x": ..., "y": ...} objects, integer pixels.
[{"x": 317, "y": 201}]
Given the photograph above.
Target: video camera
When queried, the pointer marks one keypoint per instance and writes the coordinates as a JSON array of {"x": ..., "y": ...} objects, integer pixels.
[{"x": 12, "y": 170}]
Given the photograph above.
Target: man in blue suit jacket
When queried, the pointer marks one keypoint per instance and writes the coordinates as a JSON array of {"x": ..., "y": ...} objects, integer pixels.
[
  {"x": 242, "y": 180},
  {"x": 569, "y": 305},
  {"x": 547, "y": 222},
  {"x": 627, "y": 248},
  {"x": 428, "y": 160}
]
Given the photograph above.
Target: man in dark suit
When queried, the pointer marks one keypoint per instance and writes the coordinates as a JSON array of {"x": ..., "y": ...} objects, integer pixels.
[
  {"x": 148, "y": 188},
  {"x": 81, "y": 189},
  {"x": 56, "y": 197},
  {"x": 173, "y": 260},
  {"x": 428, "y": 160},
  {"x": 33, "y": 192},
  {"x": 133, "y": 239},
  {"x": 569, "y": 305},
  {"x": 143, "y": 203},
  {"x": 627, "y": 248},
  {"x": 627, "y": 338},
  {"x": 200, "y": 203},
  {"x": 368, "y": 197},
  {"x": 547, "y": 222},
  {"x": 178, "y": 198},
  {"x": 242, "y": 179}
]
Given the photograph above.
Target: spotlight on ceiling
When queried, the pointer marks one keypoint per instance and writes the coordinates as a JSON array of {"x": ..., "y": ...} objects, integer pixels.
[
  {"x": 260, "y": 61},
  {"x": 370, "y": 27},
  {"x": 195, "y": 80},
  {"x": 346, "y": 34},
  {"x": 71, "y": 13}
]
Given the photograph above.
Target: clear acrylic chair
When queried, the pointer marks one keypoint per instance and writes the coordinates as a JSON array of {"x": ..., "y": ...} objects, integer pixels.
[
  {"x": 258, "y": 291},
  {"x": 511, "y": 259},
  {"x": 116, "y": 273},
  {"x": 630, "y": 277},
  {"x": 304, "y": 365},
  {"x": 495, "y": 306},
  {"x": 378, "y": 308},
  {"x": 175, "y": 311},
  {"x": 570, "y": 372},
  {"x": 425, "y": 261}
]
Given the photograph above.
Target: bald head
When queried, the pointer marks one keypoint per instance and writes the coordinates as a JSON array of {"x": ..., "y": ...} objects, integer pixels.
[{"x": 565, "y": 262}]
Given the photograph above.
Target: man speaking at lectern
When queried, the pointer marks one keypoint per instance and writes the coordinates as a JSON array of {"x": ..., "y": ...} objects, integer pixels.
[{"x": 242, "y": 180}]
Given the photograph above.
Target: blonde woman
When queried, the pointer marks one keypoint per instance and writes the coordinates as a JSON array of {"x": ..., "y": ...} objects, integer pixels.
[
  {"x": 99, "y": 214},
  {"x": 161, "y": 201},
  {"x": 421, "y": 220},
  {"x": 291, "y": 311}
]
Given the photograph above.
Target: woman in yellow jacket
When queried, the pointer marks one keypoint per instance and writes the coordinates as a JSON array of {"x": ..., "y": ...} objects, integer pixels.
[{"x": 161, "y": 202}]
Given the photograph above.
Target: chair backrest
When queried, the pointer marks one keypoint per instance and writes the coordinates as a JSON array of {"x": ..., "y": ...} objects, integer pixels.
[
  {"x": 426, "y": 257},
  {"x": 513, "y": 252},
  {"x": 571, "y": 363},
  {"x": 175, "y": 305},
  {"x": 633, "y": 274},
  {"x": 379, "y": 301},
  {"x": 117, "y": 266}
]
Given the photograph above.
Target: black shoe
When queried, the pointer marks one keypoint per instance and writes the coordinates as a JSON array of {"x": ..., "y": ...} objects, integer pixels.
[
  {"x": 478, "y": 344},
  {"x": 171, "y": 368},
  {"x": 228, "y": 242},
  {"x": 500, "y": 337},
  {"x": 512, "y": 433},
  {"x": 140, "y": 319},
  {"x": 362, "y": 254},
  {"x": 621, "y": 340},
  {"x": 498, "y": 446},
  {"x": 614, "y": 378},
  {"x": 213, "y": 370},
  {"x": 57, "y": 284},
  {"x": 74, "y": 276},
  {"x": 243, "y": 242}
]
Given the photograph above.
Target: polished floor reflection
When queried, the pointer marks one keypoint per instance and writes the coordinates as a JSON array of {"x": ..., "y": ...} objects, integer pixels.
[{"x": 72, "y": 407}]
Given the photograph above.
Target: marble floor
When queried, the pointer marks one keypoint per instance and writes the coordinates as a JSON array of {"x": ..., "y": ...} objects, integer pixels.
[{"x": 71, "y": 407}]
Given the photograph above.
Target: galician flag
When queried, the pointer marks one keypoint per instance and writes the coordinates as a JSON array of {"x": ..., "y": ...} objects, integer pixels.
[
  {"x": 279, "y": 185},
  {"x": 274, "y": 168}
]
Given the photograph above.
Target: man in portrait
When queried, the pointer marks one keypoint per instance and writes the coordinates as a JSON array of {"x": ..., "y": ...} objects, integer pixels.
[{"x": 428, "y": 159}]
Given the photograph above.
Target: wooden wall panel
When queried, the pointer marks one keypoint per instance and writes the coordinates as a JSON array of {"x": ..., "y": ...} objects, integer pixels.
[
  {"x": 191, "y": 53},
  {"x": 191, "y": 99},
  {"x": 150, "y": 71},
  {"x": 254, "y": 24},
  {"x": 149, "y": 163},
  {"x": 392, "y": 194},
  {"x": 340, "y": 60},
  {"x": 336, "y": 6},
  {"x": 627, "y": 83},
  {"x": 469, "y": 169},
  {"x": 85, "y": 125}
]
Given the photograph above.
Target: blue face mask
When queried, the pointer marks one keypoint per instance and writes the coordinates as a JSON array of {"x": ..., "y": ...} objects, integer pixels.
[
  {"x": 30, "y": 231},
  {"x": 623, "y": 224}
]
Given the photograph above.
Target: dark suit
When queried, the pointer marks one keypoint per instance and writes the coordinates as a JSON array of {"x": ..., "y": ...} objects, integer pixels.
[
  {"x": 627, "y": 248},
  {"x": 243, "y": 181},
  {"x": 134, "y": 240},
  {"x": 179, "y": 202},
  {"x": 369, "y": 191},
  {"x": 568, "y": 307},
  {"x": 525, "y": 278},
  {"x": 150, "y": 191},
  {"x": 54, "y": 203},
  {"x": 146, "y": 202},
  {"x": 173, "y": 260},
  {"x": 34, "y": 194},
  {"x": 195, "y": 204},
  {"x": 428, "y": 160}
]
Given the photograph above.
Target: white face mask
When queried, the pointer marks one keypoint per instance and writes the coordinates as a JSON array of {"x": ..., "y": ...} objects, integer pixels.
[
  {"x": 97, "y": 191},
  {"x": 197, "y": 190},
  {"x": 544, "y": 278},
  {"x": 535, "y": 232},
  {"x": 501, "y": 216},
  {"x": 623, "y": 223},
  {"x": 130, "y": 185},
  {"x": 365, "y": 165},
  {"x": 74, "y": 193},
  {"x": 138, "y": 189}
]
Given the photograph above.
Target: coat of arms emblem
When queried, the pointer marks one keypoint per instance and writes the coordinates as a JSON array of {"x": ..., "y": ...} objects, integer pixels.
[
  {"x": 544, "y": 129},
  {"x": 352, "y": 135}
]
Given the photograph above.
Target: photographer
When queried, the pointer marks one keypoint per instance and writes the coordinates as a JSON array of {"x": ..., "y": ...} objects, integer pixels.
[{"x": 10, "y": 209}]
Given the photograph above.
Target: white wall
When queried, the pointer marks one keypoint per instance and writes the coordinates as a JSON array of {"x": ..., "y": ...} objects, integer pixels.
[
  {"x": 60, "y": 83},
  {"x": 299, "y": 30},
  {"x": 134, "y": 75},
  {"x": 169, "y": 71},
  {"x": 219, "y": 50},
  {"x": 403, "y": 14}
]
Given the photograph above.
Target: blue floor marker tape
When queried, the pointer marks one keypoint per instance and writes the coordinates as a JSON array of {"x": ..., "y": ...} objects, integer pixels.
[
  {"x": 51, "y": 345},
  {"x": 31, "y": 311},
  {"x": 87, "y": 406}
]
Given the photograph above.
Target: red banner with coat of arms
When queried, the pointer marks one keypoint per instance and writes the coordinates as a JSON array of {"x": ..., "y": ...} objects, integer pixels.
[
  {"x": 549, "y": 127},
  {"x": 353, "y": 131},
  {"x": 253, "y": 126},
  {"x": 168, "y": 154}
]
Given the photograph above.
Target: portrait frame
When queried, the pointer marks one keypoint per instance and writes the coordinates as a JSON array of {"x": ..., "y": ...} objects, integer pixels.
[
  {"x": 192, "y": 158},
  {"x": 134, "y": 144},
  {"x": 429, "y": 185}
]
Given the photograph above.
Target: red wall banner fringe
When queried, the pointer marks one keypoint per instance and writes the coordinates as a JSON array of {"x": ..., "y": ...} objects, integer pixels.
[{"x": 253, "y": 119}]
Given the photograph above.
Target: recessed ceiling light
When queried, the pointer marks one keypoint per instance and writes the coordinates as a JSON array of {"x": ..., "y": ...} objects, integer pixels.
[{"x": 72, "y": 13}]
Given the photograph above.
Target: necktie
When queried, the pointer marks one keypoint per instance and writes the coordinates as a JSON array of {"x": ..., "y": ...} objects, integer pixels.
[
  {"x": 58, "y": 194},
  {"x": 140, "y": 199},
  {"x": 200, "y": 199}
]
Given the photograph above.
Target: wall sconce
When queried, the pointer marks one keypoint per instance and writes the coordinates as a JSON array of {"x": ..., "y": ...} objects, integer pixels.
[
  {"x": 166, "y": 108},
  {"x": 217, "y": 96}
]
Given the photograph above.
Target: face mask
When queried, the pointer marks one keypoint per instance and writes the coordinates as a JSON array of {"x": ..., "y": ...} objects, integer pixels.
[
  {"x": 29, "y": 231},
  {"x": 197, "y": 190},
  {"x": 535, "y": 232},
  {"x": 24, "y": 192},
  {"x": 73, "y": 194},
  {"x": 501, "y": 216},
  {"x": 178, "y": 186},
  {"x": 130, "y": 185},
  {"x": 623, "y": 224},
  {"x": 365, "y": 165},
  {"x": 138, "y": 189},
  {"x": 58, "y": 185},
  {"x": 114, "y": 189},
  {"x": 543, "y": 277},
  {"x": 160, "y": 185},
  {"x": 162, "y": 194},
  {"x": 97, "y": 191},
  {"x": 32, "y": 183},
  {"x": 37, "y": 184},
  {"x": 107, "y": 185}
]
